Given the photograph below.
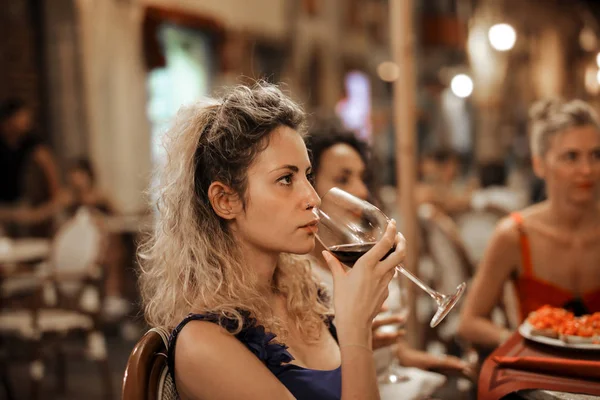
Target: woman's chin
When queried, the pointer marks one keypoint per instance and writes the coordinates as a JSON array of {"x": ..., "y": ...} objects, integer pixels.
[
  {"x": 584, "y": 199},
  {"x": 304, "y": 247}
]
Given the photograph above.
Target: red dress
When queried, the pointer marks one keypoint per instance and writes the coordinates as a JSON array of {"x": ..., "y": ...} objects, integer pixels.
[{"x": 534, "y": 292}]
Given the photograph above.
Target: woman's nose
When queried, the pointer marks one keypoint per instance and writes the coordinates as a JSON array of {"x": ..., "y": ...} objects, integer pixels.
[
  {"x": 312, "y": 200},
  {"x": 360, "y": 190},
  {"x": 585, "y": 167}
]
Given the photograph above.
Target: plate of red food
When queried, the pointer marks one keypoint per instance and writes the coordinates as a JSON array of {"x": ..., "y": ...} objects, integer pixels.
[{"x": 559, "y": 327}]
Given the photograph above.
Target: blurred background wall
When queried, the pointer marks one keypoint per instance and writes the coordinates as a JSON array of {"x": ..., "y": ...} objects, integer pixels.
[{"x": 106, "y": 77}]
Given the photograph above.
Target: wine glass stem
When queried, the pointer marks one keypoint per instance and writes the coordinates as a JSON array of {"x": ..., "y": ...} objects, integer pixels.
[{"x": 434, "y": 295}]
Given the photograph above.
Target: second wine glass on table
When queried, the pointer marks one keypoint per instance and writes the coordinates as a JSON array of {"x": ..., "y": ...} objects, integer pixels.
[
  {"x": 349, "y": 227},
  {"x": 397, "y": 306}
]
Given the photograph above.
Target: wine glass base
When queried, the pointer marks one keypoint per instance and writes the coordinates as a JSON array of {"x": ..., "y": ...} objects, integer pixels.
[
  {"x": 392, "y": 377},
  {"x": 446, "y": 305}
]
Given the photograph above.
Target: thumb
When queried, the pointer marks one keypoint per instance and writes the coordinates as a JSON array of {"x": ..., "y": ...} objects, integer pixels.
[{"x": 334, "y": 265}]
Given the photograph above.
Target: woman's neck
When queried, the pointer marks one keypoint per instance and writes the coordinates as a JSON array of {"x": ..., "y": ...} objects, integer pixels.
[
  {"x": 263, "y": 263},
  {"x": 567, "y": 215},
  {"x": 318, "y": 256}
]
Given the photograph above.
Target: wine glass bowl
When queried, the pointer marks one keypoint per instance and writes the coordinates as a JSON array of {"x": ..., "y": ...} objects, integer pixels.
[{"x": 349, "y": 227}]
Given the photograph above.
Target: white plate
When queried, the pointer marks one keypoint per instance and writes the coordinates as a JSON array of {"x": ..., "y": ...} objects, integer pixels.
[{"x": 525, "y": 331}]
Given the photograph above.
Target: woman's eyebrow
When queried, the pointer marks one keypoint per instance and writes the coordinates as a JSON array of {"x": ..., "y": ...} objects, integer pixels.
[{"x": 291, "y": 167}]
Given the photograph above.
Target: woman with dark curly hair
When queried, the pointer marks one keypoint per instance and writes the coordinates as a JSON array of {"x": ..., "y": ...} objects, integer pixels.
[{"x": 341, "y": 160}]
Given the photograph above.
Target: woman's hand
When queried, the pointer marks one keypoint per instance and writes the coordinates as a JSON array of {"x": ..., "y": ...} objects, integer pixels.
[
  {"x": 385, "y": 339},
  {"x": 444, "y": 364},
  {"x": 359, "y": 293}
]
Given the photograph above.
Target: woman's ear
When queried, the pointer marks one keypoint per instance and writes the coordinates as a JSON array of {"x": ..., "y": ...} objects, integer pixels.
[
  {"x": 538, "y": 167},
  {"x": 226, "y": 203}
]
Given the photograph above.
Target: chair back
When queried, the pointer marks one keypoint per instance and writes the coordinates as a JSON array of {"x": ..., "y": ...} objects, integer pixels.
[
  {"x": 74, "y": 265},
  {"x": 476, "y": 228},
  {"x": 146, "y": 375},
  {"x": 76, "y": 246},
  {"x": 443, "y": 243},
  {"x": 446, "y": 246}
]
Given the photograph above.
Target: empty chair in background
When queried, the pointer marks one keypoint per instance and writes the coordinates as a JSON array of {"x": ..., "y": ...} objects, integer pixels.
[{"x": 490, "y": 203}]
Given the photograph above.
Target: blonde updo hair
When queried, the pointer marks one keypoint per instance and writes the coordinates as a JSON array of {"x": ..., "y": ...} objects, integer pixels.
[
  {"x": 192, "y": 262},
  {"x": 549, "y": 117}
]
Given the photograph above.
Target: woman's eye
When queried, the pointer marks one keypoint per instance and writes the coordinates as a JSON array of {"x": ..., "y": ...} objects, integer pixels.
[
  {"x": 596, "y": 154},
  {"x": 342, "y": 180},
  {"x": 286, "y": 180},
  {"x": 570, "y": 156},
  {"x": 311, "y": 178}
]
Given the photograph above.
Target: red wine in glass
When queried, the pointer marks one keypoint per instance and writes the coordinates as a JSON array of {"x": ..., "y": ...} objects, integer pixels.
[
  {"x": 349, "y": 227},
  {"x": 350, "y": 253}
]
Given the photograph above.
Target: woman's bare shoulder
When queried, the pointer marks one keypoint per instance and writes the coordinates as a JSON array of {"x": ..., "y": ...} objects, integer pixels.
[
  {"x": 204, "y": 339},
  {"x": 207, "y": 358},
  {"x": 508, "y": 228},
  {"x": 507, "y": 231}
]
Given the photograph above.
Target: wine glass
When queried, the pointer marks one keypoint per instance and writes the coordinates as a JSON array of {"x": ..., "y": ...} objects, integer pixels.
[
  {"x": 349, "y": 227},
  {"x": 397, "y": 303}
]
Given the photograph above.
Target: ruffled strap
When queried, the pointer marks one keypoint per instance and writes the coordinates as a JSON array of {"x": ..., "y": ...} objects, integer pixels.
[
  {"x": 252, "y": 335},
  {"x": 328, "y": 319}
]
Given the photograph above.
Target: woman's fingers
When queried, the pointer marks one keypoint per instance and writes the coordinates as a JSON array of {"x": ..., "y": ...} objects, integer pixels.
[
  {"x": 385, "y": 339},
  {"x": 394, "y": 259},
  {"x": 334, "y": 264},
  {"x": 388, "y": 320},
  {"x": 380, "y": 249}
]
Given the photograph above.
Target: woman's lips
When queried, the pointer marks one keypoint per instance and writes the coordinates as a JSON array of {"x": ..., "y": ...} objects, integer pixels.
[
  {"x": 585, "y": 185},
  {"x": 311, "y": 227}
]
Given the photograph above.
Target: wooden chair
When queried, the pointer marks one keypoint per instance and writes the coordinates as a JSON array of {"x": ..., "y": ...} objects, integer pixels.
[
  {"x": 444, "y": 244},
  {"x": 67, "y": 300},
  {"x": 147, "y": 376},
  {"x": 476, "y": 228}
]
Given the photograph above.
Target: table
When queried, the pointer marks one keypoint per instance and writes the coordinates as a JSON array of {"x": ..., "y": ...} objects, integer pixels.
[
  {"x": 14, "y": 251},
  {"x": 496, "y": 382},
  {"x": 19, "y": 252},
  {"x": 553, "y": 395}
]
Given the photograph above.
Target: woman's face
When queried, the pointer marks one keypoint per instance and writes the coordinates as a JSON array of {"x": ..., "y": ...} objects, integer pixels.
[
  {"x": 571, "y": 167},
  {"x": 341, "y": 166},
  {"x": 18, "y": 125},
  {"x": 280, "y": 198},
  {"x": 79, "y": 180}
]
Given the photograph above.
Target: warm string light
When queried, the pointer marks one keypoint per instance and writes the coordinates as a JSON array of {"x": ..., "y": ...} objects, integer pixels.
[
  {"x": 502, "y": 37},
  {"x": 461, "y": 85}
]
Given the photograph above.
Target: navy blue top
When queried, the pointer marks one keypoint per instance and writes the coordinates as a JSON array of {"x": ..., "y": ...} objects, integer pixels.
[
  {"x": 12, "y": 167},
  {"x": 303, "y": 383}
]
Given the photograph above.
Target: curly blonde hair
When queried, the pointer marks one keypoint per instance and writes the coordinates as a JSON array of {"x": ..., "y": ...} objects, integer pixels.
[{"x": 191, "y": 263}]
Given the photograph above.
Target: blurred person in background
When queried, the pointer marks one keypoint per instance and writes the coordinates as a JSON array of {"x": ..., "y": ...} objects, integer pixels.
[
  {"x": 18, "y": 147},
  {"x": 340, "y": 159},
  {"x": 493, "y": 192},
  {"x": 551, "y": 250},
  {"x": 29, "y": 176},
  {"x": 82, "y": 191},
  {"x": 222, "y": 270},
  {"x": 438, "y": 186}
]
